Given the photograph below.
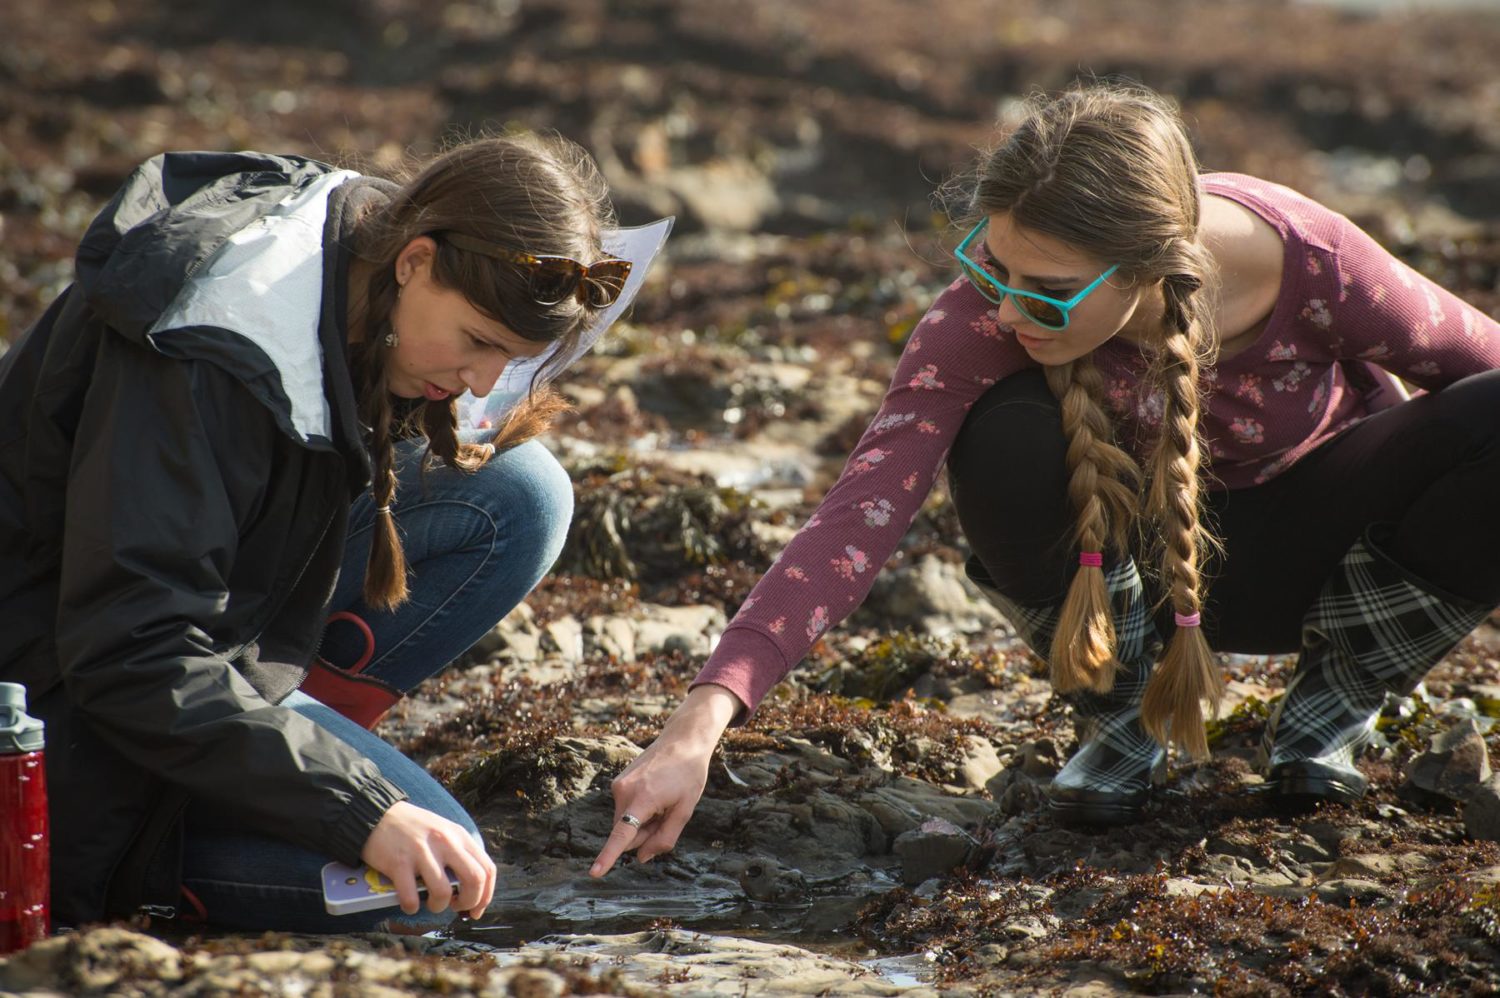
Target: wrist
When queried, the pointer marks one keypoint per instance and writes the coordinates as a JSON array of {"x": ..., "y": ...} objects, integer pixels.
[{"x": 703, "y": 714}]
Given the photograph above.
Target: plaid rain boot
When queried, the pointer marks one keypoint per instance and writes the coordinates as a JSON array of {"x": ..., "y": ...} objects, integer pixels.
[
  {"x": 1108, "y": 780},
  {"x": 1373, "y": 629}
]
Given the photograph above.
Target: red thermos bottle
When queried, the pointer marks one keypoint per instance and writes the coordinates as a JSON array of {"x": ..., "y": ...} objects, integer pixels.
[{"x": 24, "y": 860}]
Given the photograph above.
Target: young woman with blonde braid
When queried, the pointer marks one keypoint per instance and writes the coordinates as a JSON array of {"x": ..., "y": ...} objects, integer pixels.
[
  {"x": 236, "y": 426},
  {"x": 1123, "y": 320}
]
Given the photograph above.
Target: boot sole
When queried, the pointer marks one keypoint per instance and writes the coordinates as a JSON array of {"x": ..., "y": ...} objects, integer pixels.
[
  {"x": 1092, "y": 808},
  {"x": 1303, "y": 786}
]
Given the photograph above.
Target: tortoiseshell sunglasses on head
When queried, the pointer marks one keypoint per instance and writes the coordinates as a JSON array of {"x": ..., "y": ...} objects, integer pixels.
[{"x": 554, "y": 279}]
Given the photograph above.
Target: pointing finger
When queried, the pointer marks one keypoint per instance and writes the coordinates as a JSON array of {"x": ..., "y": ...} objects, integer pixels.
[{"x": 622, "y": 838}]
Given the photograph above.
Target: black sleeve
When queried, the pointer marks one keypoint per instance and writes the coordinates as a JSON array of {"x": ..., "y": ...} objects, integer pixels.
[{"x": 169, "y": 456}]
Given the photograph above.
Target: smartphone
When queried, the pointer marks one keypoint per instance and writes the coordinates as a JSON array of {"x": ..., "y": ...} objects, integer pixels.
[{"x": 347, "y": 889}]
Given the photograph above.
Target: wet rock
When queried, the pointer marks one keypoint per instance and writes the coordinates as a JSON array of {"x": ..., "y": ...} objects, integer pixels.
[
  {"x": 980, "y": 763},
  {"x": 1332, "y": 835},
  {"x": 1365, "y": 893},
  {"x": 811, "y": 825},
  {"x": 612, "y": 635},
  {"x": 526, "y": 983},
  {"x": 933, "y": 849},
  {"x": 764, "y": 879},
  {"x": 929, "y": 888},
  {"x": 1482, "y": 812},
  {"x": 904, "y": 803},
  {"x": 546, "y": 776},
  {"x": 697, "y": 964},
  {"x": 1040, "y": 760},
  {"x": 1016, "y": 793},
  {"x": 1455, "y": 765},
  {"x": 1089, "y": 984},
  {"x": 688, "y": 629},
  {"x": 563, "y": 638},
  {"x": 992, "y": 954},
  {"x": 1022, "y": 785},
  {"x": 1028, "y": 927},
  {"x": 1239, "y": 844},
  {"x": 116, "y": 961},
  {"x": 515, "y": 638},
  {"x": 1182, "y": 887},
  {"x": 934, "y": 595},
  {"x": 1483, "y": 881},
  {"x": 1305, "y": 849},
  {"x": 92, "y": 961},
  {"x": 1373, "y": 866},
  {"x": 893, "y": 820},
  {"x": 1276, "y": 882}
]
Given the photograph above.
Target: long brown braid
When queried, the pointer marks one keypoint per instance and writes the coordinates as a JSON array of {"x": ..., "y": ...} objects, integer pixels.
[
  {"x": 1107, "y": 169},
  {"x": 522, "y": 192}
]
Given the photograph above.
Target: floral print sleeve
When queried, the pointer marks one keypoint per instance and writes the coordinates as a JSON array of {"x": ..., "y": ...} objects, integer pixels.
[
  {"x": 956, "y": 352},
  {"x": 1384, "y": 312}
]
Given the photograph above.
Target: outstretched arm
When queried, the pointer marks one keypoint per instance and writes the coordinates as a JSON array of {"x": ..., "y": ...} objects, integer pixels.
[{"x": 954, "y": 355}]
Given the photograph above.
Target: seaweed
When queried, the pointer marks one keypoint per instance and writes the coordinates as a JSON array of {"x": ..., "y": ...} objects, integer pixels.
[
  {"x": 907, "y": 737},
  {"x": 651, "y": 526}
]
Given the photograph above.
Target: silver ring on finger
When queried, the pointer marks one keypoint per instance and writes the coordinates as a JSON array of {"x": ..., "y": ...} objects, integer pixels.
[{"x": 631, "y": 820}]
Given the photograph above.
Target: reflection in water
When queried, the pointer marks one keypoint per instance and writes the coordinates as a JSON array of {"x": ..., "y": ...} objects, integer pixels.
[{"x": 712, "y": 904}]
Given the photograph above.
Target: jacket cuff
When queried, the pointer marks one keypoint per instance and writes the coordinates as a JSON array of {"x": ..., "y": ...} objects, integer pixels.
[
  {"x": 747, "y": 663},
  {"x": 358, "y": 815}
]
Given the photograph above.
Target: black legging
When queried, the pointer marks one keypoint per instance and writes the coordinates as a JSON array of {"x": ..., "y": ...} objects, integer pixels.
[{"x": 1429, "y": 468}]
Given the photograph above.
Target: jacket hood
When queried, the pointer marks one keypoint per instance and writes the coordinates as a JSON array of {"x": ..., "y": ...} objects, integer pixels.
[{"x": 219, "y": 257}]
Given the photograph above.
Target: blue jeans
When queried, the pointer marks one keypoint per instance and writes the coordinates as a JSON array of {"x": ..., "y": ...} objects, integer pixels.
[{"x": 476, "y": 545}]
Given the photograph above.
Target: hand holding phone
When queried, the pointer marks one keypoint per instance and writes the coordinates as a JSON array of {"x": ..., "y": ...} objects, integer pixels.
[
  {"x": 410, "y": 841},
  {"x": 348, "y": 889}
]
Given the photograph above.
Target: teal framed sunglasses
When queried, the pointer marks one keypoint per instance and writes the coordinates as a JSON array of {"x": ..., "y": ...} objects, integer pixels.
[{"x": 1049, "y": 313}]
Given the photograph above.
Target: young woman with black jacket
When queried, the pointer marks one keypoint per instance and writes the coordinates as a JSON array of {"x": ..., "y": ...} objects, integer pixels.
[{"x": 229, "y": 468}]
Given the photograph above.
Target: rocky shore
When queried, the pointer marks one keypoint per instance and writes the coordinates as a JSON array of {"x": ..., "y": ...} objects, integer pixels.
[{"x": 877, "y": 828}]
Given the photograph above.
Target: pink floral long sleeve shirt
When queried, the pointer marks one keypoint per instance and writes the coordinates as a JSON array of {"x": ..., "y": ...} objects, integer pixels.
[{"x": 1343, "y": 300}]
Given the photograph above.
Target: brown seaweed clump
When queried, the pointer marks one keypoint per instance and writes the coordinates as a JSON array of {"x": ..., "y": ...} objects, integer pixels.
[
  {"x": 1163, "y": 935},
  {"x": 888, "y": 666},
  {"x": 503, "y": 741},
  {"x": 653, "y": 526},
  {"x": 907, "y": 737}
]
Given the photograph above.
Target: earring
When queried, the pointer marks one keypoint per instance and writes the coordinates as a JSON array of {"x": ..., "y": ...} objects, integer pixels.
[{"x": 391, "y": 339}]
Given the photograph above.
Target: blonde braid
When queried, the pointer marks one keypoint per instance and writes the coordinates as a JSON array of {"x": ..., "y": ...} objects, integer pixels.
[
  {"x": 1172, "y": 710},
  {"x": 1103, "y": 482}
]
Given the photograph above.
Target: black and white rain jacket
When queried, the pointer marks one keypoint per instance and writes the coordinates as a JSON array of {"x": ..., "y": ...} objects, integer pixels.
[{"x": 178, "y": 452}]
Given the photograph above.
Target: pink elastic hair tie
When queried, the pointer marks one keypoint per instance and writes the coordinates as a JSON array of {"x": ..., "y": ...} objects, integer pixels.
[
  {"x": 1188, "y": 619},
  {"x": 1091, "y": 559}
]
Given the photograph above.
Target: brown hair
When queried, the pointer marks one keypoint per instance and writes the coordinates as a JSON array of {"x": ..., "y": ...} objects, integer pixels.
[
  {"x": 525, "y": 193},
  {"x": 1108, "y": 169}
]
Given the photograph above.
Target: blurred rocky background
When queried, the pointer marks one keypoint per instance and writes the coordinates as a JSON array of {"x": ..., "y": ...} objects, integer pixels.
[{"x": 877, "y": 828}]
